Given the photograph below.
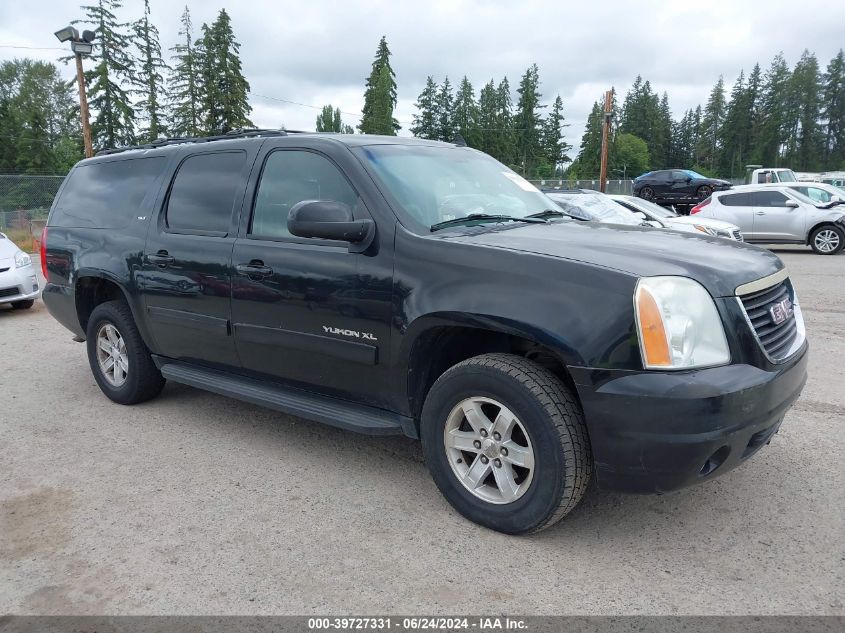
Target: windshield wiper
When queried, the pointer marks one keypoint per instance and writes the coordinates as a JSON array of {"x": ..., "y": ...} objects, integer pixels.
[
  {"x": 486, "y": 217},
  {"x": 550, "y": 213}
]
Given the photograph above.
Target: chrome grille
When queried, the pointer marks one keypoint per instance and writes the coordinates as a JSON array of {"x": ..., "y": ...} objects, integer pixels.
[{"x": 776, "y": 338}]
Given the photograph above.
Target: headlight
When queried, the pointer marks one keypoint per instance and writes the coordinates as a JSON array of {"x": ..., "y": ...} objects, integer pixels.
[
  {"x": 704, "y": 229},
  {"x": 678, "y": 324},
  {"x": 22, "y": 259}
]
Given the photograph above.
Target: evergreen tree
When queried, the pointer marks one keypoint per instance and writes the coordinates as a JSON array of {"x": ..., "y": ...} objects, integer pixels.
[
  {"x": 150, "y": 78},
  {"x": 554, "y": 145},
  {"x": 329, "y": 120},
  {"x": 771, "y": 135},
  {"x": 527, "y": 122},
  {"x": 488, "y": 115},
  {"x": 661, "y": 150},
  {"x": 589, "y": 154},
  {"x": 225, "y": 91},
  {"x": 465, "y": 114},
  {"x": 833, "y": 111},
  {"x": 112, "y": 75},
  {"x": 445, "y": 104},
  {"x": 735, "y": 133},
  {"x": 425, "y": 123},
  {"x": 805, "y": 141},
  {"x": 184, "y": 82},
  {"x": 714, "y": 114},
  {"x": 375, "y": 102},
  {"x": 505, "y": 141}
]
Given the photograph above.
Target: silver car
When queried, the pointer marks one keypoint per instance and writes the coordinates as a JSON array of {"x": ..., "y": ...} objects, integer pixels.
[
  {"x": 778, "y": 214},
  {"x": 671, "y": 220},
  {"x": 18, "y": 283}
]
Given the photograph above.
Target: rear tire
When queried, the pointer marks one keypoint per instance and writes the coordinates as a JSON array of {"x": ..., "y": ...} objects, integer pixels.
[
  {"x": 487, "y": 478},
  {"x": 647, "y": 193},
  {"x": 119, "y": 359},
  {"x": 26, "y": 304},
  {"x": 827, "y": 240}
]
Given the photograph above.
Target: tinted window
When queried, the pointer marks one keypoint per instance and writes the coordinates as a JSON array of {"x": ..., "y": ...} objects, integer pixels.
[
  {"x": 736, "y": 200},
  {"x": 290, "y": 177},
  {"x": 769, "y": 199},
  {"x": 680, "y": 175},
  {"x": 203, "y": 192},
  {"x": 106, "y": 195}
]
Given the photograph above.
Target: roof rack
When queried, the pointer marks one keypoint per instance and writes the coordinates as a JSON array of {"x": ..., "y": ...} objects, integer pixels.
[{"x": 238, "y": 133}]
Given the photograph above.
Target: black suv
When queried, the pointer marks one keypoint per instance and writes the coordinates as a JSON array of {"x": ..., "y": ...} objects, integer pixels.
[
  {"x": 398, "y": 286},
  {"x": 668, "y": 186}
]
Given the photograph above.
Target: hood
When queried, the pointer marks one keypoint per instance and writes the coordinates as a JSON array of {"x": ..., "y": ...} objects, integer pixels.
[
  {"x": 719, "y": 265},
  {"x": 7, "y": 249},
  {"x": 694, "y": 219}
]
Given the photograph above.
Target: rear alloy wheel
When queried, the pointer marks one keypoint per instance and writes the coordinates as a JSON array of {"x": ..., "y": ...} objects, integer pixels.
[
  {"x": 647, "y": 193},
  {"x": 704, "y": 192},
  {"x": 827, "y": 240},
  {"x": 506, "y": 444}
]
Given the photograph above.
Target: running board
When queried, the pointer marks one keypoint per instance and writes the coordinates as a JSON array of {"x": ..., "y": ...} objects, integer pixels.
[{"x": 349, "y": 416}]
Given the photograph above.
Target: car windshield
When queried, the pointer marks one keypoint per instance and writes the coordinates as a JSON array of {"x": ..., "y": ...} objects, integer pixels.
[
  {"x": 438, "y": 184},
  {"x": 800, "y": 196},
  {"x": 694, "y": 174},
  {"x": 649, "y": 207},
  {"x": 785, "y": 175},
  {"x": 595, "y": 207}
]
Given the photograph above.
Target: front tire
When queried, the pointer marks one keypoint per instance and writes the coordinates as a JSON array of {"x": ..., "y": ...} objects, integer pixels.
[
  {"x": 506, "y": 444},
  {"x": 827, "y": 240},
  {"x": 119, "y": 359},
  {"x": 704, "y": 192}
]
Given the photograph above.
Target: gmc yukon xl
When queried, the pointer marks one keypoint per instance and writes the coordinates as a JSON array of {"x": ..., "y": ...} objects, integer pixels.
[{"x": 398, "y": 286}]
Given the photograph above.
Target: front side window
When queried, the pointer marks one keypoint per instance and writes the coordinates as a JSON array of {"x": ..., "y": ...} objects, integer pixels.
[
  {"x": 203, "y": 192},
  {"x": 680, "y": 175},
  {"x": 769, "y": 199},
  {"x": 289, "y": 177},
  {"x": 436, "y": 184}
]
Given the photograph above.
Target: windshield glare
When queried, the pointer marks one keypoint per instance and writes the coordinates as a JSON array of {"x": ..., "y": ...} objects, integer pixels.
[
  {"x": 594, "y": 206},
  {"x": 436, "y": 184}
]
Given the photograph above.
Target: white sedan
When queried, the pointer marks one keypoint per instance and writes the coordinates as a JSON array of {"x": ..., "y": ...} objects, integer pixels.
[
  {"x": 18, "y": 282},
  {"x": 671, "y": 220}
]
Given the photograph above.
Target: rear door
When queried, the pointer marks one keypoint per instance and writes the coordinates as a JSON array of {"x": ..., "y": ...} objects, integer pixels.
[
  {"x": 775, "y": 221},
  {"x": 736, "y": 208},
  {"x": 186, "y": 275},
  {"x": 310, "y": 312}
]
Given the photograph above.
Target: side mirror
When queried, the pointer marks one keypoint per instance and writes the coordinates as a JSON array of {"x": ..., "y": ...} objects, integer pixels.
[
  {"x": 640, "y": 215},
  {"x": 790, "y": 204},
  {"x": 329, "y": 220},
  {"x": 836, "y": 198}
]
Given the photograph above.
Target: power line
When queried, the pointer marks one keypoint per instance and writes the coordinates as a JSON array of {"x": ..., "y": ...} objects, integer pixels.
[
  {"x": 304, "y": 105},
  {"x": 33, "y": 48}
]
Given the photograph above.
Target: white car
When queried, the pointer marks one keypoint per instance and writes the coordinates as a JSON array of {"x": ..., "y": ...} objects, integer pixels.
[
  {"x": 671, "y": 220},
  {"x": 18, "y": 282},
  {"x": 818, "y": 192},
  {"x": 778, "y": 214}
]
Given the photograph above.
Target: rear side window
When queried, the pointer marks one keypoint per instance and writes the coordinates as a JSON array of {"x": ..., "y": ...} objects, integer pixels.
[
  {"x": 106, "y": 195},
  {"x": 769, "y": 199},
  {"x": 736, "y": 200},
  {"x": 203, "y": 192}
]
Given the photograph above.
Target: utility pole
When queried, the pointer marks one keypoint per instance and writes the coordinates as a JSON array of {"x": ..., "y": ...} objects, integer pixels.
[
  {"x": 605, "y": 139},
  {"x": 79, "y": 46}
]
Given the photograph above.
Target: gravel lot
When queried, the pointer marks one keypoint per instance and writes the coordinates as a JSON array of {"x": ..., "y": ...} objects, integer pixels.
[{"x": 193, "y": 503}]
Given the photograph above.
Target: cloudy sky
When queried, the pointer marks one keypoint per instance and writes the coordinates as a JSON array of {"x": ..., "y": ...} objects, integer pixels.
[{"x": 320, "y": 51}]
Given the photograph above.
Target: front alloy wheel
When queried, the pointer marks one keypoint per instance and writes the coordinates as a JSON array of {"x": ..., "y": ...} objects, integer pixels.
[
  {"x": 489, "y": 450},
  {"x": 827, "y": 240}
]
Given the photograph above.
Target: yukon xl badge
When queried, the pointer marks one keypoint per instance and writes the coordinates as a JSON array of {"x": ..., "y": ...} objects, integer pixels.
[
  {"x": 781, "y": 311},
  {"x": 350, "y": 333}
]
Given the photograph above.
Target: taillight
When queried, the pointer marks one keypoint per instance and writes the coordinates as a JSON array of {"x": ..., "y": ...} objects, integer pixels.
[
  {"x": 44, "y": 253},
  {"x": 699, "y": 206}
]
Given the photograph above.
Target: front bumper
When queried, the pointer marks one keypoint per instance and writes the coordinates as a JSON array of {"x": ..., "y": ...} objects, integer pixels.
[
  {"x": 661, "y": 431},
  {"x": 18, "y": 284}
]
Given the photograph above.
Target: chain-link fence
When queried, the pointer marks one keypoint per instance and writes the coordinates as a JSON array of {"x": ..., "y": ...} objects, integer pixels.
[
  {"x": 25, "y": 201},
  {"x": 613, "y": 186}
]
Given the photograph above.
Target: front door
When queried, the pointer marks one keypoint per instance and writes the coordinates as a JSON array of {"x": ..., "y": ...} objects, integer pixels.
[
  {"x": 309, "y": 312},
  {"x": 681, "y": 188},
  {"x": 775, "y": 221},
  {"x": 186, "y": 278}
]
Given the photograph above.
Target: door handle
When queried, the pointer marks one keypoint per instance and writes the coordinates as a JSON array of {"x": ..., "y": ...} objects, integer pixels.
[
  {"x": 760, "y": 213},
  {"x": 161, "y": 259},
  {"x": 255, "y": 268}
]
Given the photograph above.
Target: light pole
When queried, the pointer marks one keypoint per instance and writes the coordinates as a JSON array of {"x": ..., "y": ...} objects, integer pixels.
[{"x": 79, "y": 46}]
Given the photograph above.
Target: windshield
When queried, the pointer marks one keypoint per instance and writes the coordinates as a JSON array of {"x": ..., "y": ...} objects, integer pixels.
[
  {"x": 694, "y": 174},
  {"x": 800, "y": 196},
  {"x": 437, "y": 184},
  {"x": 594, "y": 206},
  {"x": 785, "y": 175},
  {"x": 650, "y": 208}
]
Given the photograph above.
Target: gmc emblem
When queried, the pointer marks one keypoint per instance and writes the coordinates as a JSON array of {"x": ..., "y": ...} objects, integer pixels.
[{"x": 781, "y": 311}]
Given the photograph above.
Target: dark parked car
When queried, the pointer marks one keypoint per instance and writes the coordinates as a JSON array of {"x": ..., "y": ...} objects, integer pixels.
[
  {"x": 398, "y": 286},
  {"x": 668, "y": 186}
]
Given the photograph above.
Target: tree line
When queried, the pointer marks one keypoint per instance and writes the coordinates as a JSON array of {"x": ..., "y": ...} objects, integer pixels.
[{"x": 780, "y": 117}]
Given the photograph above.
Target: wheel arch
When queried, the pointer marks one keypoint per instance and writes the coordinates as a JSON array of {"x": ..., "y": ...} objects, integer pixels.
[
  {"x": 94, "y": 287},
  {"x": 839, "y": 224}
]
